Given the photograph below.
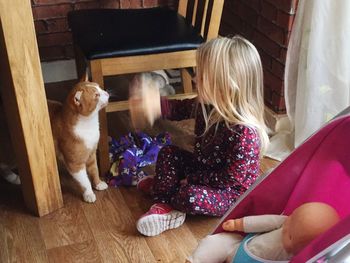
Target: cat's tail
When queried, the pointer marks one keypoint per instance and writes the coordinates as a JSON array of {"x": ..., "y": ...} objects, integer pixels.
[{"x": 8, "y": 175}]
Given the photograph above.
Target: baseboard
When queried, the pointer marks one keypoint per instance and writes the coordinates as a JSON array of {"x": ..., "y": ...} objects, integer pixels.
[{"x": 274, "y": 120}]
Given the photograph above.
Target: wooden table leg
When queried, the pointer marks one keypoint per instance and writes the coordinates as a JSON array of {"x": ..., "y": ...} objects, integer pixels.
[{"x": 24, "y": 99}]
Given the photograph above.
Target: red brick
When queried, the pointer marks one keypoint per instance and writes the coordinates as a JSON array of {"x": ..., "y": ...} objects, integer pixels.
[
  {"x": 110, "y": 3},
  {"x": 55, "y": 2},
  {"x": 225, "y": 29},
  {"x": 50, "y": 2},
  {"x": 273, "y": 82},
  {"x": 285, "y": 20},
  {"x": 52, "y": 11},
  {"x": 51, "y": 53},
  {"x": 235, "y": 7},
  {"x": 248, "y": 31},
  {"x": 278, "y": 103},
  {"x": 271, "y": 30},
  {"x": 268, "y": 45},
  {"x": 266, "y": 59},
  {"x": 40, "y": 27},
  {"x": 255, "y": 4},
  {"x": 288, "y": 6},
  {"x": 267, "y": 95},
  {"x": 278, "y": 69},
  {"x": 236, "y": 23},
  {"x": 242, "y": 28},
  {"x": 136, "y": 3},
  {"x": 69, "y": 52},
  {"x": 51, "y": 25},
  {"x": 149, "y": 3},
  {"x": 283, "y": 55},
  {"x": 172, "y": 4},
  {"x": 87, "y": 5},
  {"x": 125, "y": 4},
  {"x": 248, "y": 14},
  {"x": 54, "y": 39},
  {"x": 269, "y": 11}
]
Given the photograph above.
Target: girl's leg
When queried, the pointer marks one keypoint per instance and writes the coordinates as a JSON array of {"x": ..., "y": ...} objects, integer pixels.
[
  {"x": 172, "y": 165},
  {"x": 203, "y": 200}
]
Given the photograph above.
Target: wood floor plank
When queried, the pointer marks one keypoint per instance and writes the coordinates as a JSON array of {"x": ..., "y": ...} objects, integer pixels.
[
  {"x": 20, "y": 237},
  {"x": 116, "y": 247},
  {"x": 66, "y": 226},
  {"x": 201, "y": 225},
  {"x": 169, "y": 246},
  {"x": 84, "y": 252},
  {"x": 114, "y": 230}
]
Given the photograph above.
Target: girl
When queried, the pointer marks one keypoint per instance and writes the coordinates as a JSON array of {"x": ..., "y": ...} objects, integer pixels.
[{"x": 230, "y": 137}]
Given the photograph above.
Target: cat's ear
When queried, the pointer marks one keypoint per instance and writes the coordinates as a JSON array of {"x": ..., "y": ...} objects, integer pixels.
[
  {"x": 85, "y": 76},
  {"x": 77, "y": 97}
]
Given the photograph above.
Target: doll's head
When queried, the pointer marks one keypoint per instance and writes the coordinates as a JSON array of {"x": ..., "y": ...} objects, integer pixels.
[
  {"x": 306, "y": 223},
  {"x": 229, "y": 77}
]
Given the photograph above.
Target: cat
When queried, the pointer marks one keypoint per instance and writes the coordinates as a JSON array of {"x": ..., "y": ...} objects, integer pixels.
[{"x": 75, "y": 129}]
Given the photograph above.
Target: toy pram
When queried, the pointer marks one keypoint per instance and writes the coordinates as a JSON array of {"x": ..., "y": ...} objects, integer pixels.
[{"x": 318, "y": 170}]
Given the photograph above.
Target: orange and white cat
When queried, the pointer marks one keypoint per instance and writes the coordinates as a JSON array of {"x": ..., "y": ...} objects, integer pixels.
[{"x": 75, "y": 129}]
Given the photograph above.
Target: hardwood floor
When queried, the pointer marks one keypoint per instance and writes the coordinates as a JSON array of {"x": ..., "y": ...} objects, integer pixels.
[{"x": 103, "y": 231}]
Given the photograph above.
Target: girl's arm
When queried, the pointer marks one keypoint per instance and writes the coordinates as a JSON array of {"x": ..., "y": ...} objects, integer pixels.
[
  {"x": 177, "y": 110},
  {"x": 241, "y": 162}
]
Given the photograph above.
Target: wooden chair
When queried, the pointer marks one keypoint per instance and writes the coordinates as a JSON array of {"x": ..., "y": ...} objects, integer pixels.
[{"x": 115, "y": 41}]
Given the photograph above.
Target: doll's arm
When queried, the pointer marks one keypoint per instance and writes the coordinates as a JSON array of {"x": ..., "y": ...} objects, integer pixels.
[{"x": 255, "y": 224}]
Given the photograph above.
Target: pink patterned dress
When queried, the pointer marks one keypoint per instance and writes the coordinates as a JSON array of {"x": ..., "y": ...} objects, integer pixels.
[{"x": 222, "y": 167}]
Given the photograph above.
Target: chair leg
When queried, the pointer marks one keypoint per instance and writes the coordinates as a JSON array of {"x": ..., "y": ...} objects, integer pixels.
[
  {"x": 103, "y": 151},
  {"x": 186, "y": 80},
  {"x": 80, "y": 63}
]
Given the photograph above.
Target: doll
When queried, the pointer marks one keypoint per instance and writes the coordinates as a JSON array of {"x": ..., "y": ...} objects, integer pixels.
[{"x": 277, "y": 237}]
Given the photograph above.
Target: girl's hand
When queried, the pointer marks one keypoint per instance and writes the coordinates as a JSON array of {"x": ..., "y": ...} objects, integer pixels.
[
  {"x": 144, "y": 101},
  {"x": 135, "y": 106}
]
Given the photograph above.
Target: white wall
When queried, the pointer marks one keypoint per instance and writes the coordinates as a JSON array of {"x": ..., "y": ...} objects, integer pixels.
[{"x": 58, "y": 70}]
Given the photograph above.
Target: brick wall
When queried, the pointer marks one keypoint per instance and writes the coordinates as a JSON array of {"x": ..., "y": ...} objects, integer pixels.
[
  {"x": 50, "y": 19},
  {"x": 267, "y": 23}
]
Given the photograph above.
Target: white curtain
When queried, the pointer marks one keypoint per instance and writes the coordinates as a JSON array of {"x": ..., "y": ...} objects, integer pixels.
[{"x": 317, "y": 73}]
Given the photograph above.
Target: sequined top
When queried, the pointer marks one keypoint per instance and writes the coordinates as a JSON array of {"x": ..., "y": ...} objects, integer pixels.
[{"x": 226, "y": 158}]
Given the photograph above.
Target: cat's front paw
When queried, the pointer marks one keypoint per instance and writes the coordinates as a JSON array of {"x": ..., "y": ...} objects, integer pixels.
[
  {"x": 89, "y": 197},
  {"x": 101, "y": 186}
]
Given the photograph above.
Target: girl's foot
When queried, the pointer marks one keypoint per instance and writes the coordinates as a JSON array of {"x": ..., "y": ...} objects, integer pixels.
[{"x": 159, "y": 218}]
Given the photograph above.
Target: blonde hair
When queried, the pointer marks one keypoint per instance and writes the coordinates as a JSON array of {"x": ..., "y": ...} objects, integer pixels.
[{"x": 230, "y": 78}]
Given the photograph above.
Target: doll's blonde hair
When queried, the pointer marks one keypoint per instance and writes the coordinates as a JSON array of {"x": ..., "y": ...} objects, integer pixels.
[{"x": 230, "y": 78}]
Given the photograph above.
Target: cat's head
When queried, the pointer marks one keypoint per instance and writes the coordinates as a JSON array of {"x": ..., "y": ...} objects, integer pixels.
[{"x": 87, "y": 97}]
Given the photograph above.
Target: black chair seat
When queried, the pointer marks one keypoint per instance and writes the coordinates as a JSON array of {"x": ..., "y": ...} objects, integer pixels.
[{"x": 105, "y": 33}]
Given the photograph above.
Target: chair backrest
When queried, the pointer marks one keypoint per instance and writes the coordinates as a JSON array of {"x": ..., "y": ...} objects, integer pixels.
[{"x": 205, "y": 15}]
